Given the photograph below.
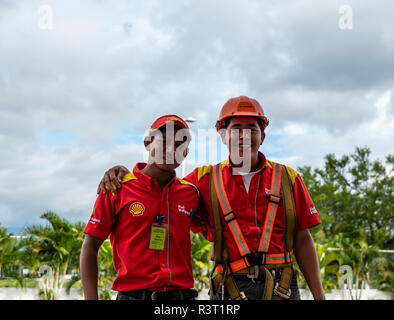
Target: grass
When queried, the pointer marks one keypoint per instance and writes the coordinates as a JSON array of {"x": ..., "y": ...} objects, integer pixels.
[
  {"x": 12, "y": 283},
  {"x": 27, "y": 283}
]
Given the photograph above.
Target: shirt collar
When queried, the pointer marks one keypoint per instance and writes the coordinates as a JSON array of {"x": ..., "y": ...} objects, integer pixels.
[
  {"x": 138, "y": 173},
  {"x": 261, "y": 156},
  {"x": 146, "y": 180}
]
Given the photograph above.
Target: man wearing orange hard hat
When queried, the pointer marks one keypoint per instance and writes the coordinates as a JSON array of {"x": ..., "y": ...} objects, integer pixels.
[{"x": 258, "y": 214}]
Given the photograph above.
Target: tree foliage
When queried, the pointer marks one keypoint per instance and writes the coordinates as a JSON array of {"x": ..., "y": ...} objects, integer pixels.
[
  {"x": 353, "y": 194},
  {"x": 355, "y": 199}
]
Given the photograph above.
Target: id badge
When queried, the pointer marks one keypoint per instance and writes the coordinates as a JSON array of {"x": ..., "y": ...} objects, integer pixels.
[{"x": 158, "y": 236}]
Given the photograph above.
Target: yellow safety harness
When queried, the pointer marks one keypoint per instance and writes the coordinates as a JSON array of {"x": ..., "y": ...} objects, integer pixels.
[{"x": 252, "y": 263}]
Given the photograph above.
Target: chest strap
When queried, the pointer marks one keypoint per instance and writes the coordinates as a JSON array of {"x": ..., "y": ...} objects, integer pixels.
[{"x": 261, "y": 256}]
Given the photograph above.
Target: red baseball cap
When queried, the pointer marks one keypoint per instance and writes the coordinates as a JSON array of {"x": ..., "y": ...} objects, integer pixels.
[{"x": 162, "y": 121}]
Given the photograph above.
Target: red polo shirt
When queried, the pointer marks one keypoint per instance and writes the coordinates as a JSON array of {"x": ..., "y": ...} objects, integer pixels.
[
  {"x": 127, "y": 217},
  {"x": 251, "y": 207}
]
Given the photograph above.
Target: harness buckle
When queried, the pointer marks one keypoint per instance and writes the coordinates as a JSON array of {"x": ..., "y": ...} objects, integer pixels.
[
  {"x": 274, "y": 198},
  {"x": 255, "y": 275},
  {"x": 255, "y": 258},
  {"x": 228, "y": 217},
  {"x": 287, "y": 260},
  {"x": 243, "y": 295},
  {"x": 285, "y": 296}
]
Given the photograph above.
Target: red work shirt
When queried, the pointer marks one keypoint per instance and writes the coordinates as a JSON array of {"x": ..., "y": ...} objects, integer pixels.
[
  {"x": 127, "y": 217},
  {"x": 250, "y": 207}
]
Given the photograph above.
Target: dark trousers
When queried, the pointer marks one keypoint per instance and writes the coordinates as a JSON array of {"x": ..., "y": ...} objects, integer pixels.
[{"x": 184, "y": 294}]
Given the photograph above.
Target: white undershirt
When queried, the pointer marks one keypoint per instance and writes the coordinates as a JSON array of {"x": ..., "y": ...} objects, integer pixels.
[{"x": 246, "y": 177}]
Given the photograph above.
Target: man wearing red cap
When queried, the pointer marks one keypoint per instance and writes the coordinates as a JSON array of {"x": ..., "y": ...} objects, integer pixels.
[
  {"x": 258, "y": 213},
  {"x": 148, "y": 222}
]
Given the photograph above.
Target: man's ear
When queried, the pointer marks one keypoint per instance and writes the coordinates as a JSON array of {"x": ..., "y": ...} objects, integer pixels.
[
  {"x": 262, "y": 138},
  {"x": 222, "y": 132},
  {"x": 147, "y": 142}
]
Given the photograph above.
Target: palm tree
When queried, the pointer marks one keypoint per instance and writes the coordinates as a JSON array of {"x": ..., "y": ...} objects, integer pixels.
[
  {"x": 10, "y": 257},
  {"x": 364, "y": 259},
  {"x": 4, "y": 243},
  {"x": 56, "y": 245}
]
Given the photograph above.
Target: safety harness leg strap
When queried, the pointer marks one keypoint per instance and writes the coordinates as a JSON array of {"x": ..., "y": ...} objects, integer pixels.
[
  {"x": 235, "y": 294},
  {"x": 269, "y": 285},
  {"x": 282, "y": 288}
]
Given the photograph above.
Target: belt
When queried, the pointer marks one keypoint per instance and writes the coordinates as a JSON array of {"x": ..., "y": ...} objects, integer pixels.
[
  {"x": 181, "y": 294},
  {"x": 269, "y": 261}
]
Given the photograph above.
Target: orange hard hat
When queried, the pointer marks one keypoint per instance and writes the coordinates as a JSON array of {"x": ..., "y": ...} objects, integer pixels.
[{"x": 241, "y": 106}]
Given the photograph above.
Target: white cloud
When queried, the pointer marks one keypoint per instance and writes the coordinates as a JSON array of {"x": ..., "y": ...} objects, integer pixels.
[{"x": 106, "y": 68}]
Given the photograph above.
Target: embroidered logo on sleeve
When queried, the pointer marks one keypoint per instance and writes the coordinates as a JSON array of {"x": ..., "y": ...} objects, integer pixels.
[
  {"x": 94, "y": 220},
  {"x": 313, "y": 210},
  {"x": 137, "y": 208}
]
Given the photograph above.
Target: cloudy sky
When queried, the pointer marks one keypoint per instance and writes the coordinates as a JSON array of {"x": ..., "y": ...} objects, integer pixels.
[{"x": 80, "y": 82}]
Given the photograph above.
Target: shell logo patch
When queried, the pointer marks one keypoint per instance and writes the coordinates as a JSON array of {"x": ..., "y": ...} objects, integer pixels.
[{"x": 137, "y": 208}]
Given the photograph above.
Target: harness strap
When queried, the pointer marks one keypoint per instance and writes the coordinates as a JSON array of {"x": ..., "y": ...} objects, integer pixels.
[
  {"x": 273, "y": 205},
  {"x": 218, "y": 196},
  {"x": 282, "y": 288},
  {"x": 289, "y": 211},
  {"x": 234, "y": 292},
  {"x": 231, "y": 287},
  {"x": 270, "y": 259},
  {"x": 251, "y": 271},
  {"x": 220, "y": 250},
  {"x": 229, "y": 215},
  {"x": 269, "y": 285},
  {"x": 221, "y": 254}
]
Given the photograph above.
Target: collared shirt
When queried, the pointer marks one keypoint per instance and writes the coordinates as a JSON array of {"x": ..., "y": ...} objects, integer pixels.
[
  {"x": 250, "y": 207},
  {"x": 246, "y": 177},
  {"x": 127, "y": 217}
]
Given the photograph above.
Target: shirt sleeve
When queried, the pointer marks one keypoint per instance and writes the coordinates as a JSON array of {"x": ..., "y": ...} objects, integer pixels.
[
  {"x": 199, "y": 219},
  {"x": 307, "y": 215},
  {"x": 103, "y": 217}
]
